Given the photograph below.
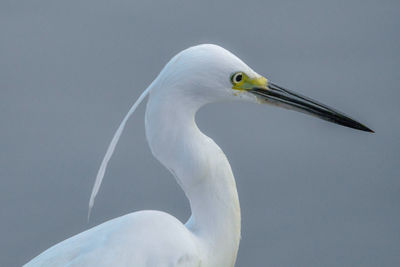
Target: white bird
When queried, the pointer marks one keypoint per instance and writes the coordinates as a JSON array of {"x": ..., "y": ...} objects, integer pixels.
[{"x": 210, "y": 238}]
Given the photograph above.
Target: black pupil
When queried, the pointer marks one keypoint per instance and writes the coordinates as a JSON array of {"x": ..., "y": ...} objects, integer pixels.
[{"x": 238, "y": 77}]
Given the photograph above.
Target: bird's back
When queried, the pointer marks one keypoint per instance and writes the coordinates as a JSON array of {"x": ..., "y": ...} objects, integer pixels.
[{"x": 139, "y": 239}]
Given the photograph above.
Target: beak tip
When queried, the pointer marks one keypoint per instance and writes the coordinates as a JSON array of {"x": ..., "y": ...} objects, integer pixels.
[{"x": 366, "y": 129}]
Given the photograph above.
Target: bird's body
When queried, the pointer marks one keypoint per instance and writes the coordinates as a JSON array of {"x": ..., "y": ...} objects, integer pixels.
[
  {"x": 144, "y": 238},
  {"x": 210, "y": 238}
]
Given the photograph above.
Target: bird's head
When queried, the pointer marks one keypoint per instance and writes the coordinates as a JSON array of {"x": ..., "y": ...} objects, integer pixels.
[{"x": 209, "y": 73}]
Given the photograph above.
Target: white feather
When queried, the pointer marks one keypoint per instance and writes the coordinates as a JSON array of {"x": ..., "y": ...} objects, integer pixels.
[{"x": 110, "y": 150}]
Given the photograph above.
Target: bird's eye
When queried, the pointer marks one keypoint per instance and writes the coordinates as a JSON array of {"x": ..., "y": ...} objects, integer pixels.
[{"x": 237, "y": 77}]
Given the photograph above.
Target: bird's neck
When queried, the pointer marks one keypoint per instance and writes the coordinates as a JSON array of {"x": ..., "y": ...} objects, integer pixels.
[{"x": 202, "y": 170}]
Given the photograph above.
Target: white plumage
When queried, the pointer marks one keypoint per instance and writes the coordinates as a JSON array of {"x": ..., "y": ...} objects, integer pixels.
[{"x": 193, "y": 78}]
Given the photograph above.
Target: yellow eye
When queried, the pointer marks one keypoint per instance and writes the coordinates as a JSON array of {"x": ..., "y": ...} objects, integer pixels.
[{"x": 237, "y": 78}]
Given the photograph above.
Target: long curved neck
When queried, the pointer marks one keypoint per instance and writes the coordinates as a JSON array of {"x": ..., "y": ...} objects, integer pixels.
[{"x": 201, "y": 169}]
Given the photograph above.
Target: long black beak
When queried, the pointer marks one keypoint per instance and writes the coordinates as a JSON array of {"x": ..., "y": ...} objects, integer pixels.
[{"x": 275, "y": 94}]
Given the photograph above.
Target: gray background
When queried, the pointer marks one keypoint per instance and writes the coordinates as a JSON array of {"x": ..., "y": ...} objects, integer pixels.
[{"x": 312, "y": 193}]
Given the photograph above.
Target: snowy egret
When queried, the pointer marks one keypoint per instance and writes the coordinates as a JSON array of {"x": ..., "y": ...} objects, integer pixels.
[{"x": 194, "y": 77}]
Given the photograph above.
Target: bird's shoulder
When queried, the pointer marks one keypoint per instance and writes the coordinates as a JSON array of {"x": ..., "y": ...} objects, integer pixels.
[{"x": 144, "y": 238}]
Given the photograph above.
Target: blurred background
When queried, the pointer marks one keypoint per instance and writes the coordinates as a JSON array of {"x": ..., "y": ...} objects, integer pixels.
[{"x": 312, "y": 193}]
